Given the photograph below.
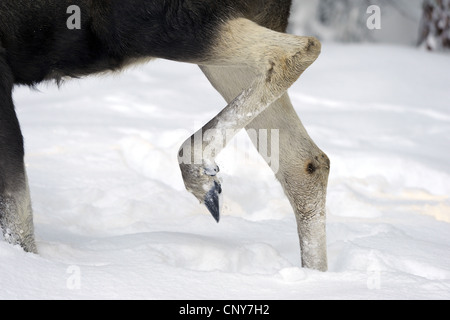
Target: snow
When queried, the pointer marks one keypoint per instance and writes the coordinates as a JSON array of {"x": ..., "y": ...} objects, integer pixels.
[{"x": 113, "y": 220}]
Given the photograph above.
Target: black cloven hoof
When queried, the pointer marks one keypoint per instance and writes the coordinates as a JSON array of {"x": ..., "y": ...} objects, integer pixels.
[{"x": 212, "y": 200}]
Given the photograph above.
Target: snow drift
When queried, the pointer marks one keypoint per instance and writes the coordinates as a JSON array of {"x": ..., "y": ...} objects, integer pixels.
[{"x": 113, "y": 220}]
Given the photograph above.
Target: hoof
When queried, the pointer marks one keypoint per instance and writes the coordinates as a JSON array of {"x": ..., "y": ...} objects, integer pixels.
[
  {"x": 202, "y": 182},
  {"x": 212, "y": 200}
]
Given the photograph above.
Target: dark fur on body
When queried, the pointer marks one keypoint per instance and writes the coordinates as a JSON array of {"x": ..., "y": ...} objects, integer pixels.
[{"x": 36, "y": 45}]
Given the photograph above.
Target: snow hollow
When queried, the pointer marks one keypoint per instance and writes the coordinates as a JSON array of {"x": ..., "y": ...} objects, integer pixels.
[{"x": 113, "y": 220}]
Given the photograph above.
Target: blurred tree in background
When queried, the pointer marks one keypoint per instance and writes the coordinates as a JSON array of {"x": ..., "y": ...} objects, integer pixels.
[
  {"x": 402, "y": 21},
  {"x": 435, "y": 25}
]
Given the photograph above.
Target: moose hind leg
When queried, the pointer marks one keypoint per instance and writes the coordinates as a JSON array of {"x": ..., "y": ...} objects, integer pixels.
[
  {"x": 302, "y": 167},
  {"x": 303, "y": 173},
  {"x": 277, "y": 60},
  {"x": 16, "y": 220}
]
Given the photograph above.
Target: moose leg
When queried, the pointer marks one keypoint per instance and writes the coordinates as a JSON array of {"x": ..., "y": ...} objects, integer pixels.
[
  {"x": 303, "y": 173},
  {"x": 303, "y": 168},
  {"x": 16, "y": 220},
  {"x": 277, "y": 60}
]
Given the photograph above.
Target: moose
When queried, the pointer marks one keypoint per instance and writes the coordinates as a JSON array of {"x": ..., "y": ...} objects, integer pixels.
[{"x": 240, "y": 45}]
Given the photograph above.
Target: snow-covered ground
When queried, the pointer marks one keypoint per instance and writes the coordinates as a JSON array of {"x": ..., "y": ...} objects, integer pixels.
[{"x": 113, "y": 220}]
